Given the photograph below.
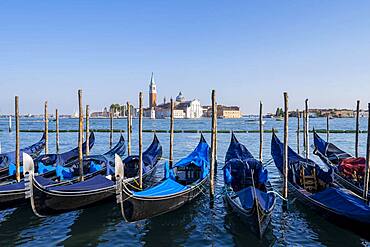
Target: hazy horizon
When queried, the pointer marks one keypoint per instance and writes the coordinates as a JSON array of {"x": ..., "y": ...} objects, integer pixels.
[{"x": 246, "y": 50}]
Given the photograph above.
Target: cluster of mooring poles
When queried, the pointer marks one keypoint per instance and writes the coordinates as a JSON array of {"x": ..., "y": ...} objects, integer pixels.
[
  {"x": 129, "y": 132},
  {"x": 57, "y": 146},
  {"x": 305, "y": 116},
  {"x": 213, "y": 163}
]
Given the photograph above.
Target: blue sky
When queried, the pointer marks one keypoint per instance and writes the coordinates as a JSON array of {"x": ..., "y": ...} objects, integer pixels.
[{"x": 247, "y": 50}]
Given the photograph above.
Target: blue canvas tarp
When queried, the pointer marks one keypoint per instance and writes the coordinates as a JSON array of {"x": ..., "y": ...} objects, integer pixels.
[
  {"x": 266, "y": 200},
  {"x": 44, "y": 181},
  {"x": 20, "y": 185},
  {"x": 199, "y": 157},
  {"x": 13, "y": 186},
  {"x": 295, "y": 162},
  {"x": 41, "y": 168},
  {"x": 239, "y": 164},
  {"x": 96, "y": 182},
  {"x": 167, "y": 187},
  {"x": 344, "y": 203},
  {"x": 329, "y": 150}
]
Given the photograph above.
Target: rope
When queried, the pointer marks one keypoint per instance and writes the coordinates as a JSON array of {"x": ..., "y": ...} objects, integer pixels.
[
  {"x": 132, "y": 186},
  {"x": 268, "y": 162},
  {"x": 278, "y": 194}
]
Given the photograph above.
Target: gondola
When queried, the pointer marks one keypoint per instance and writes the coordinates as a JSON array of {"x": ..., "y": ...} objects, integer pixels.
[
  {"x": 316, "y": 189},
  {"x": 48, "y": 162},
  {"x": 12, "y": 192},
  {"x": 181, "y": 184},
  {"x": 8, "y": 159},
  {"x": 247, "y": 189},
  {"x": 98, "y": 185},
  {"x": 349, "y": 171}
]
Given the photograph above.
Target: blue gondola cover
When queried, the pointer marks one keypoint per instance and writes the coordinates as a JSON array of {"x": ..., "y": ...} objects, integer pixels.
[
  {"x": 246, "y": 197},
  {"x": 167, "y": 187},
  {"x": 96, "y": 182}
]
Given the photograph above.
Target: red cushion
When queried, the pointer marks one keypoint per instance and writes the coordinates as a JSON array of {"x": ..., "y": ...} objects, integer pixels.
[{"x": 350, "y": 165}]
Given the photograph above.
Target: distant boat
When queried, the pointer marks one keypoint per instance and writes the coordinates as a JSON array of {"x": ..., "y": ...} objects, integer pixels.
[
  {"x": 279, "y": 119},
  {"x": 254, "y": 120},
  {"x": 75, "y": 115}
]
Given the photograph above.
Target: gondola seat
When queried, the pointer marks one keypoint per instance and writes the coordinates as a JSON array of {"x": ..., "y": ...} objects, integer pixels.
[
  {"x": 309, "y": 181},
  {"x": 188, "y": 174}
]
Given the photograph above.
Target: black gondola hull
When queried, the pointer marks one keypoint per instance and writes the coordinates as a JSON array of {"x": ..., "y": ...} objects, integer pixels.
[
  {"x": 338, "y": 219},
  {"x": 138, "y": 208},
  {"x": 257, "y": 222},
  {"x": 12, "y": 199},
  {"x": 46, "y": 202}
]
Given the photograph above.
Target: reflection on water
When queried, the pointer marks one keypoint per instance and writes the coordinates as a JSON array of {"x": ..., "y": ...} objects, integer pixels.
[
  {"x": 91, "y": 223},
  {"x": 192, "y": 225},
  {"x": 242, "y": 234},
  {"x": 15, "y": 224}
]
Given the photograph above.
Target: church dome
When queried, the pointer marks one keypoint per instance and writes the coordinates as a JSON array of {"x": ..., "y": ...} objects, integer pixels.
[{"x": 180, "y": 97}]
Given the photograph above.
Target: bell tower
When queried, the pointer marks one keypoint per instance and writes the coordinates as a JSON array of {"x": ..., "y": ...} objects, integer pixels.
[{"x": 152, "y": 93}]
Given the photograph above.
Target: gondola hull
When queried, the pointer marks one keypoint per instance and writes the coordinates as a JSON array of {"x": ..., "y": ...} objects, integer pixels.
[
  {"x": 327, "y": 213},
  {"x": 255, "y": 218},
  {"x": 135, "y": 208},
  {"x": 336, "y": 204},
  {"x": 46, "y": 202},
  {"x": 12, "y": 198}
]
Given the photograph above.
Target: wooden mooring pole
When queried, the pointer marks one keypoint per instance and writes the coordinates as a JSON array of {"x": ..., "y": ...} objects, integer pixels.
[
  {"x": 10, "y": 124},
  {"x": 327, "y": 128},
  {"x": 129, "y": 129},
  {"x": 357, "y": 127},
  {"x": 261, "y": 131},
  {"x": 307, "y": 130},
  {"x": 298, "y": 130},
  {"x": 17, "y": 151},
  {"x": 80, "y": 134},
  {"x": 87, "y": 129},
  {"x": 111, "y": 129},
  {"x": 367, "y": 171},
  {"x": 285, "y": 157},
  {"x": 304, "y": 130},
  {"x": 213, "y": 144},
  {"x": 46, "y": 122},
  {"x": 56, "y": 131},
  {"x": 140, "y": 140},
  {"x": 171, "y": 134}
]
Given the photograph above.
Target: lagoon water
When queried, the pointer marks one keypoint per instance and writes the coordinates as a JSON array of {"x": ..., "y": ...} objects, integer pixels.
[{"x": 192, "y": 225}]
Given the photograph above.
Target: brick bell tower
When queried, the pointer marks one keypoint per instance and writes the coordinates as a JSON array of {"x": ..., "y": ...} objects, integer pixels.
[{"x": 152, "y": 93}]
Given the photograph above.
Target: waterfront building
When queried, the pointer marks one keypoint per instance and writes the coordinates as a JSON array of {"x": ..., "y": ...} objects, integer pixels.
[
  {"x": 182, "y": 109},
  {"x": 224, "y": 111},
  {"x": 228, "y": 111},
  {"x": 191, "y": 109},
  {"x": 100, "y": 114}
]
